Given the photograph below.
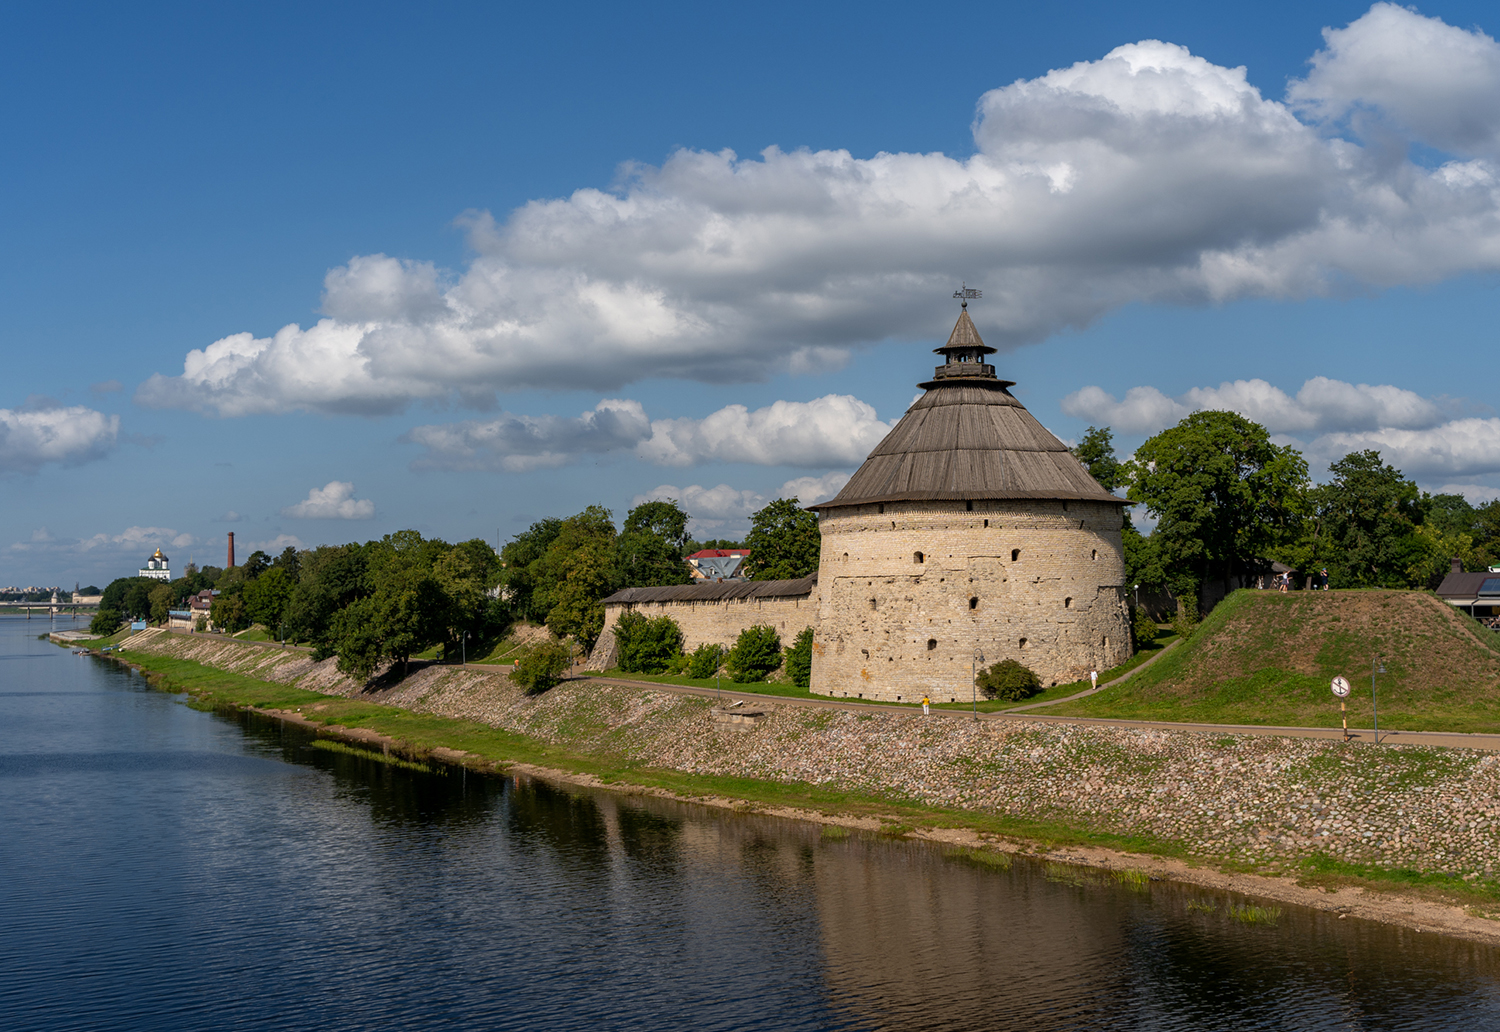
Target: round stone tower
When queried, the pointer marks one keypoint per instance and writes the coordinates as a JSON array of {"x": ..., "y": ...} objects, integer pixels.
[{"x": 969, "y": 535}]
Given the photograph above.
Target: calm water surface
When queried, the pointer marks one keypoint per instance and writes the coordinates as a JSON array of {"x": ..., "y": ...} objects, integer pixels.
[{"x": 164, "y": 868}]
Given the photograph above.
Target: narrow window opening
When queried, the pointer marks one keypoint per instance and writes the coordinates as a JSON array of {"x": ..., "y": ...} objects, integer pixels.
[
  {"x": 1095, "y": 556},
  {"x": 973, "y": 603},
  {"x": 968, "y": 506},
  {"x": 918, "y": 557},
  {"x": 1067, "y": 603},
  {"x": 872, "y": 603},
  {"x": 1065, "y": 506},
  {"x": 1023, "y": 643},
  {"x": 1015, "y": 555},
  {"x": 881, "y": 509},
  {"x": 846, "y": 557},
  {"x": 931, "y": 644},
  {"x": 986, "y": 523}
]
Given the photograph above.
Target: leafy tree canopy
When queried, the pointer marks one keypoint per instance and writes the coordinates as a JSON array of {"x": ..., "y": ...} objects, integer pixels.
[
  {"x": 1097, "y": 453},
  {"x": 784, "y": 542},
  {"x": 651, "y": 545},
  {"x": 1221, "y": 492}
]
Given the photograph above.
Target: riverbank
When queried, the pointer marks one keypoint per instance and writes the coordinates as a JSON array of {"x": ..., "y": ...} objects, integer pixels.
[{"x": 1403, "y": 834}]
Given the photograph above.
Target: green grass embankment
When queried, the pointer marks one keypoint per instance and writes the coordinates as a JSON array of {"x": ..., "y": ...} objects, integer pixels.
[
  {"x": 1264, "y": 657},
  {"x": 417, "y": 735}
]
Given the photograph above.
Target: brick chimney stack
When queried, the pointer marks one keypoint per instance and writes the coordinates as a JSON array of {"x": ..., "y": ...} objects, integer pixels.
[
  {"x": 231, "y": 549},
  {"x": 1458, "y": 565}
]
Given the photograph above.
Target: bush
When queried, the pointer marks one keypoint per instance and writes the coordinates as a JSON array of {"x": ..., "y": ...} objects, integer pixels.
[
  {"x": 542, "y": 666},
  {"x": 105, "y": 623},
  {"x": 647, "y": 646},
  {"x": 1009, "y": 681},
  {"x": 755, "y": 654},
  {"x": 1142, "y": 628},
  {"x": 1186, "y": 619},
  {"x": 799, "y": 659},
  {"x": 705, "y": 660}
]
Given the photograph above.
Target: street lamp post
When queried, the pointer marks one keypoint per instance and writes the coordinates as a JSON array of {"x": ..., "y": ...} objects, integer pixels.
[{"x": 1376, "y": 667}]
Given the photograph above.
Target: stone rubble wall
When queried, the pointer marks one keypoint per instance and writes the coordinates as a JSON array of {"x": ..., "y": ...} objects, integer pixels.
[
  {"x": 909, "y": 592},
  {"x": 1248, "y": 798},
  {"x": 713, "y": 623}
]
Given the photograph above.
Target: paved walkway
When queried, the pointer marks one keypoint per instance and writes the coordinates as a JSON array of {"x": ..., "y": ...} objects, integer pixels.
[{"x": 733, "y": 696}]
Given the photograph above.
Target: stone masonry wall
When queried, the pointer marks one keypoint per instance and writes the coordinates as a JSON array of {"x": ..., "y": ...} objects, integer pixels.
[
  {"x": 714, "y": 623},
  {"x": 907, "y": 591}
]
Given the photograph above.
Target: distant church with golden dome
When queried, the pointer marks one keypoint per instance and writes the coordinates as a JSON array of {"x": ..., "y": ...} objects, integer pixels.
[{"x": 157, "y": 567}]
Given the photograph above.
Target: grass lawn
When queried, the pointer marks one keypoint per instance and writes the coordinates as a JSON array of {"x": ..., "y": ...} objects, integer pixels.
[{"x": 1266, "y": 658}]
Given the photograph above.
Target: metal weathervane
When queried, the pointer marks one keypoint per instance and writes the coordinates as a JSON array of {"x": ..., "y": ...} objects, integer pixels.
[{"x": 965, "y": 293}]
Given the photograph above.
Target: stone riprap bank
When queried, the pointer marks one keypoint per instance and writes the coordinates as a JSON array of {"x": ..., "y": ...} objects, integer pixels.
[{"x": 1243, "y": 797}]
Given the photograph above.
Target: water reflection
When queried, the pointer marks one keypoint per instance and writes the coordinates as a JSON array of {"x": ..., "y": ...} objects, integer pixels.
[{"x": 166, "y": 868}]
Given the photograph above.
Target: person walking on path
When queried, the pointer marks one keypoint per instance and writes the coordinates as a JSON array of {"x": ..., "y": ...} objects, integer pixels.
[{"x": 925, "y": 702}]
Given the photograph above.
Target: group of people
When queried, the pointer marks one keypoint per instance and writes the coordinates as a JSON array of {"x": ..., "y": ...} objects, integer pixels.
[{"x": 1318, "y": 581}]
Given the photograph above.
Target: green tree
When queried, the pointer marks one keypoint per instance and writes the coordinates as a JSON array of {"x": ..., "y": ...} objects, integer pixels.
[
  {"x": 705, "y": 660},
  {"x": 799, "y": 659},
  {"x": 1008, "y": 680},
  {"x": 405, "y": 612},
  {"x": 1097, "y": 453},
  {"x": 467, "y": 573},
  {"x": 160, "y": 602},
  {"x": 1369, "y": 513},
  {"x": 756, "y": 653},
  {"x": 330, "y": 578},
  {"x": 651, "y": 545},
  {"x": 129, "y": 596},
  {"x": 575, "y": 574},
  {"x": 520, "y": 558},
  {"x": 228, "y": 613},
  {"x": 1222, "y": 495},
  {"x": 542, "y": 666},
  {"x": 784, "y": 542},
  {"x": 647, "y": 646},
  {"x": 105, "y": 622},
  {"x": 268, "y": 598},
  {"x": 289, "y": 560},
  {"x": 257, "y": 564}
]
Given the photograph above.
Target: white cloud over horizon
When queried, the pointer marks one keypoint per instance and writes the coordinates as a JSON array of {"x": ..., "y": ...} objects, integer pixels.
[
  {"x": 728, "y": 509},
  {"x": 1147, "y": 176},
  {"x": 835, "y": 428},
  {"x": 1418, "y": 435},
  {"x": 333, "y": 501},
  {"x": 32, "y": 437}
]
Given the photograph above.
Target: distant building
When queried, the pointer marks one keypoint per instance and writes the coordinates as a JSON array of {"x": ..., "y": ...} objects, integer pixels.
[
  {"x": 1477, "y": 594},
  {"x": 156, "y": 567},
  {"x": 716, "y": 564}
]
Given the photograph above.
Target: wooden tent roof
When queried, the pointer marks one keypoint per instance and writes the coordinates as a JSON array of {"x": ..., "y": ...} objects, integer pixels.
[
  {"x": 715, "y": 592},
  {"x": 969, "y": 439}
]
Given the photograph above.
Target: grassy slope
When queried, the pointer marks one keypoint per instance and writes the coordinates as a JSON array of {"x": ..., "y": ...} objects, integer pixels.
[{"x": 1262, "y": 657}]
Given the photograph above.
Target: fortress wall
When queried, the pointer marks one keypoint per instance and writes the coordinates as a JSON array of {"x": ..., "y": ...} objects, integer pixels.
[
  {"x": 717, "y": 622},
  {"x": 1040, "y": 582}
]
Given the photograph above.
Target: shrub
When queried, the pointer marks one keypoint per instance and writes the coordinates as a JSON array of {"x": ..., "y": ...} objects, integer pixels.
[
  {"x": 1143, "y": 629},
  {"x": 755, "y": 654},
  {"x": 105, "y": 623},
  {"x": 1186, "y": 619},
  {"x": 705, "y": 660},
  {"x": 647, "y": 646},
  {"x": 799, "y": 659},
  {"x": 542, "y": 666},
  {"x": 1008, "y": 680}
]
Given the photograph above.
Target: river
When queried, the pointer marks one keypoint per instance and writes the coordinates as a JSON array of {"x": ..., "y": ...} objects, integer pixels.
[{"x": 166, "y": 868}]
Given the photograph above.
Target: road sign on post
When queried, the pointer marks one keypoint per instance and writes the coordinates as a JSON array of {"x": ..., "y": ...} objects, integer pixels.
[{"x": 1341, "y": 689}]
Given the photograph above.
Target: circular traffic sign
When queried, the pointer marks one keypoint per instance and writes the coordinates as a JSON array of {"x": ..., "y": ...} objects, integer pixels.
[{"x": 1340, "y": 687}]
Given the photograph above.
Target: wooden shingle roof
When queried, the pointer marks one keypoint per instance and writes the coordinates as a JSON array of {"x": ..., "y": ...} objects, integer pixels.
[
  {"x": 969, "y": 439},
  {"x": 715, "y": 592}
]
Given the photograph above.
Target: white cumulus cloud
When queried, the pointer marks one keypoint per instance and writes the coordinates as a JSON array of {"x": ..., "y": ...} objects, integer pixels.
[
  {"x": 1148, "y": 175},
  {"x": 1461, "y": 447},
  {"x": 1322, "y": 404},
  {"x": 333, "y": 501},
  {"x": 516, "y": 444},
  {"x": 832, "y": 429},
  {"x": 836, "y": 428},
  {"x": 727, "y": 509},
  {"x": 30, "y": 438}
]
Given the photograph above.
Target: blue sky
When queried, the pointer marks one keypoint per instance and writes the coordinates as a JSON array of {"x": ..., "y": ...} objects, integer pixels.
[{"x": 314, "y": 273}]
